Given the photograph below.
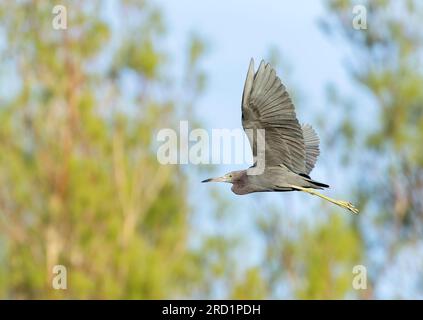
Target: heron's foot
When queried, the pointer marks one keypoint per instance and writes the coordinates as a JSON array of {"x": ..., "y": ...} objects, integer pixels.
[
  {"x": 347, "y": 205},
  {"x": 344, "y": 204}
]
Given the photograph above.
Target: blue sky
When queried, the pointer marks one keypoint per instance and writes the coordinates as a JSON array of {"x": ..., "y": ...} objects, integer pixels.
[{"x": 239, "y": 30}]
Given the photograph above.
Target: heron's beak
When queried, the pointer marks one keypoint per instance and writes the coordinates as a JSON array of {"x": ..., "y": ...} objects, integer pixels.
[{"x": 220, "y": 179}]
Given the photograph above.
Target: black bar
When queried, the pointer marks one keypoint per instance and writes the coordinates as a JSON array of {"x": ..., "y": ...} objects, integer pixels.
[{"x": 204, "y": 309}]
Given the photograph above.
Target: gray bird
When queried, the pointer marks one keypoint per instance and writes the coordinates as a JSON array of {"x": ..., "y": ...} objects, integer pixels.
[{"x": 287, "y": 149}]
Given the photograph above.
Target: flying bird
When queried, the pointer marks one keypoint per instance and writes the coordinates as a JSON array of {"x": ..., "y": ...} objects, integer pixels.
[{"x": 287, "y": 149}]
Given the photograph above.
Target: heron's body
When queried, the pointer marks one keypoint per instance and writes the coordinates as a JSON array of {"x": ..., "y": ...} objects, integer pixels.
[
  {"x": 288, "y": 150},
  {"x": 272, "y": 179}
]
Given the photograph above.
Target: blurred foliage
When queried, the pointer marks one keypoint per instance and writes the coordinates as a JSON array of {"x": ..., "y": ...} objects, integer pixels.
[
  {"x": 309, "y": 261},
  {"x": 386, "y": 151},
  {"x": 80, "y": 185}
]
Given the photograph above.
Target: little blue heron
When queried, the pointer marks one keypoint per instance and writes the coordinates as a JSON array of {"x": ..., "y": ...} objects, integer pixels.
[{"x": 290, "y": 150}]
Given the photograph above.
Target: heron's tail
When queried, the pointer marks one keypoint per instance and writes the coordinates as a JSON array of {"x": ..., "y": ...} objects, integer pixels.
[
  {"x": 313, "y": 184},
  {"x": 319, "y": 184}
]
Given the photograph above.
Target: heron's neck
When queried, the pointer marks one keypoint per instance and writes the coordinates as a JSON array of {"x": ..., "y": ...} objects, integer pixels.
[{"x": 240, "y": 183}]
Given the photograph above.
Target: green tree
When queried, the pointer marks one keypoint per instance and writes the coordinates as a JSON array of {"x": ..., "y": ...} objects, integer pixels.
[{"x": 80, "y": 185}]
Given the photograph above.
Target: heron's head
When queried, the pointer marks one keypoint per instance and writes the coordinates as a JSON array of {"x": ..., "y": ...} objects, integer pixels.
[{"x": 230, "y": 177}]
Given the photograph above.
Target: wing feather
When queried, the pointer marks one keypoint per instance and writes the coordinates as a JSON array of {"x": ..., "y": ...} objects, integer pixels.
[
  {"x": 266, "y": 105},
  {"x": 311, "y": 140}
]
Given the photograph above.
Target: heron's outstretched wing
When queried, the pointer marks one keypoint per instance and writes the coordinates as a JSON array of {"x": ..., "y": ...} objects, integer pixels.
[
  {"x": 311, "y": 142},
  {"x": 266, "y": 105}
]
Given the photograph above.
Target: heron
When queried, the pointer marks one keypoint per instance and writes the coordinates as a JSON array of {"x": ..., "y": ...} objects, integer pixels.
[{"x": 290, "y": 149}]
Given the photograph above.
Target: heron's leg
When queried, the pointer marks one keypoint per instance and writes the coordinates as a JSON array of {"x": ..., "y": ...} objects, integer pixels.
[{"x": 344, "y": 204}]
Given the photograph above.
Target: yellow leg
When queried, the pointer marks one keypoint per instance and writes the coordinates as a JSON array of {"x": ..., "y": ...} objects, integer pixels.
[{"x": 344, "y": 204}]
